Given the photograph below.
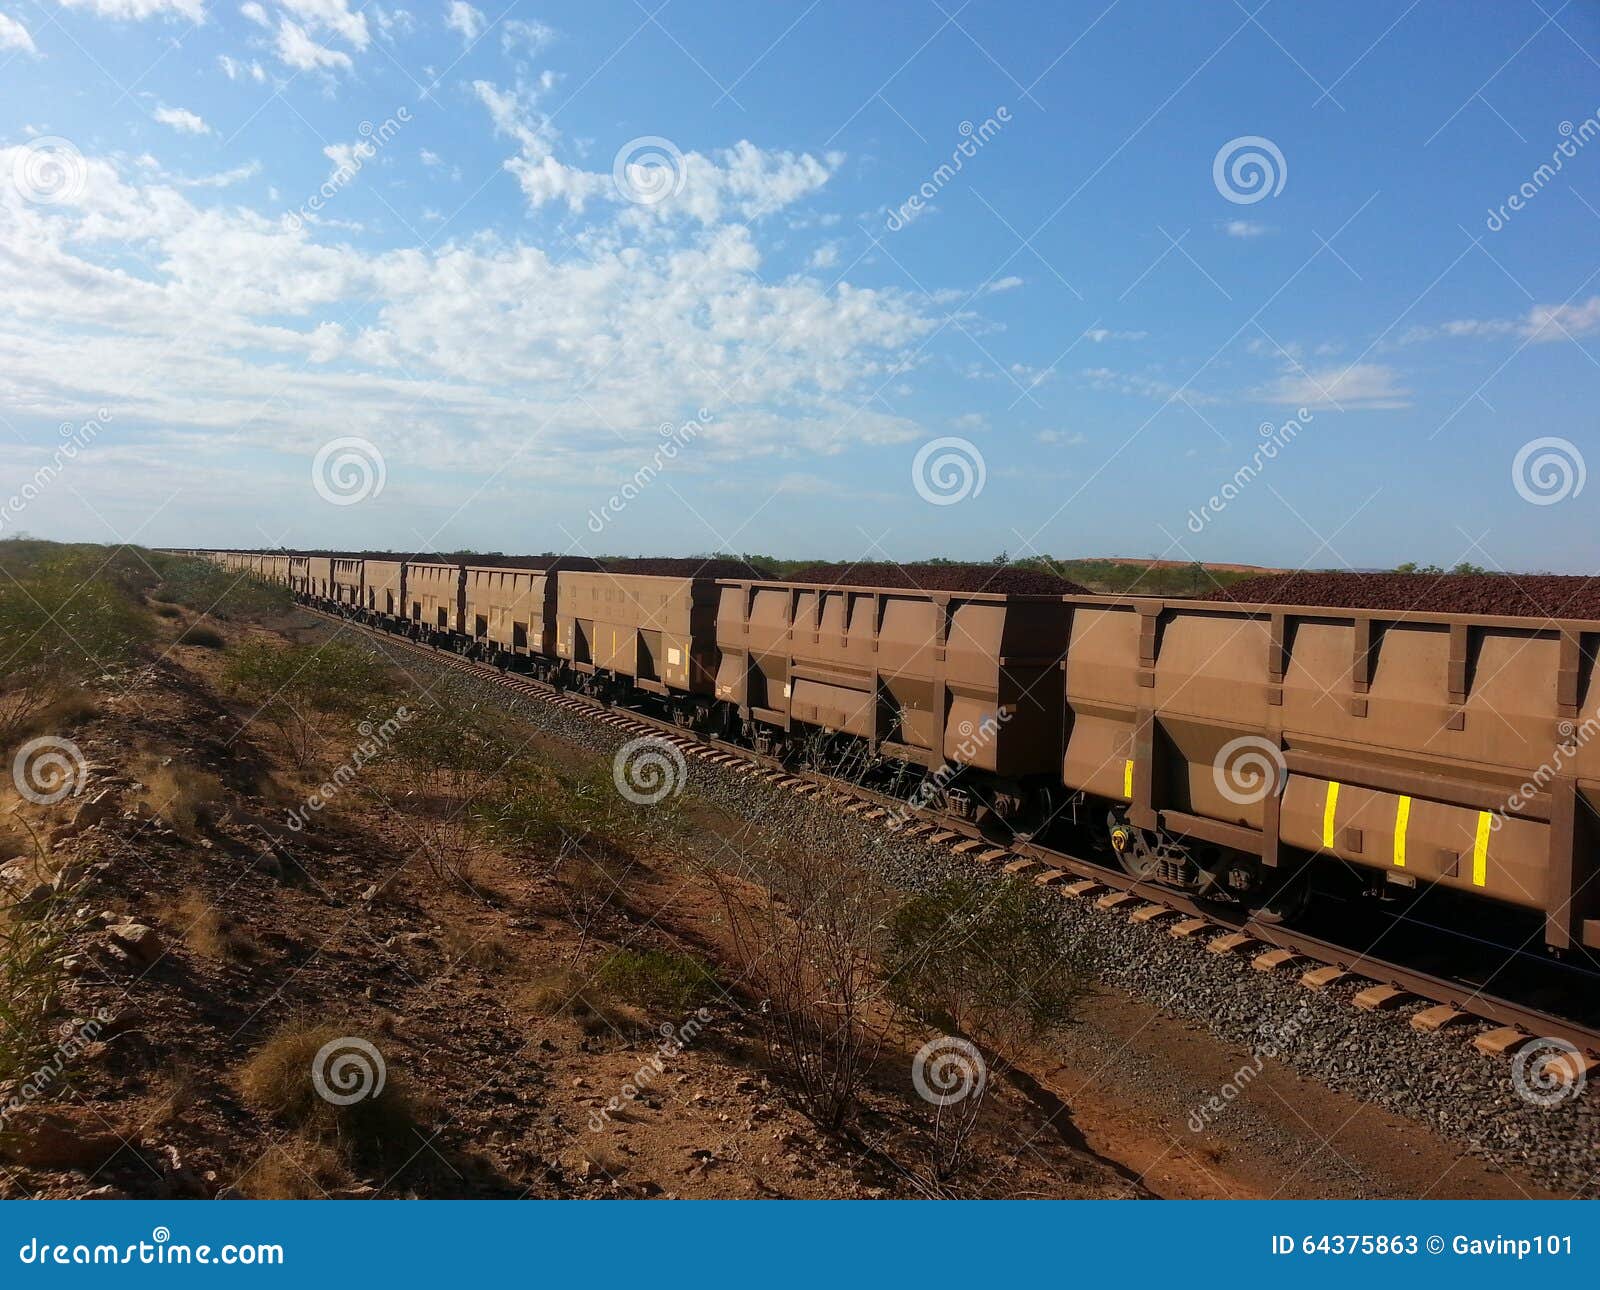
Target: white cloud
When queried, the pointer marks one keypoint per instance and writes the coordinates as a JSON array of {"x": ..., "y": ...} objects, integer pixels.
[
  {"x": 1062, "y": 438},
  {"x": 743, "y": 181},
  {"x": 464, "y": 18},
  {"x": 137, "y": 10},
  {"x": 223, "y": 179},
  {"x": 332, "y": 16},
  {"x": 1245, "y": 228},
  {"x": 227, "y": 326},
  {"x": 299, "y": 51},
  {"x": 825, "y": 256},
  {"x": 392, "y": 23},
  {"x": 1100, "y": 334},
  {"x": 182, "y": 120},
  {"x": 429, "y": 158},
  {"x": 13, "y": 35},
  {"x": 1359, "y": 385},
  {"x": 1558, "y": 322},
  {"x": 530, "y": 36},
  {"x": 1542, "y": 323},
  {"x": 1003, "y": 284},
  {"x": 255, "y": 13}
]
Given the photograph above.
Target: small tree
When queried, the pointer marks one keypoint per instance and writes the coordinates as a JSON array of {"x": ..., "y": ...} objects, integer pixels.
[
  {"x": 447, "y": 758},
  {"x": 807, "y": 948}
]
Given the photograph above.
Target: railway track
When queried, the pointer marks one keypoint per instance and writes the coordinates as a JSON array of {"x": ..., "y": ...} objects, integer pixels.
[{"x": 1266, "y": 947}]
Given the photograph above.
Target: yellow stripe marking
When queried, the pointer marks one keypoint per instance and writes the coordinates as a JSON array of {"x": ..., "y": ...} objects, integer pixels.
[
  {"x": 1480, "y": 850},
  {"x": 1327, "y": 813},
  {"x": 1402, "y": 817},
  {"x": 1127, "y": 779}
]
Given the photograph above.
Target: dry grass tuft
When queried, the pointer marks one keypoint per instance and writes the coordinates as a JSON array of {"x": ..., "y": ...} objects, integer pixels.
[
  {"x": 380, "y": 1129},
  {"x": 209, "y": 932},
  {"x": 565, "y": 993},
  {"x": 295, "y": 1169},
  {"x": 180, "y": 796}
]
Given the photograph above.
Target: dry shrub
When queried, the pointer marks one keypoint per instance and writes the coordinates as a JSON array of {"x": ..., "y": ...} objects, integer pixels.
[
  {"x": 165, "y": 610},
  {"x": 807, "y": 948},
  {"x": 179, "y": 795},
  {"x": 487, "y": 951},
  {"x": 208, "y": 931},
  {"x": 381, "y": 1130},
  {"x": 985, "y": 960},
  {"x": 658, "y": 979},
  {"x": 297, "y": 1168},
  {"x": 565, "y": 993}
]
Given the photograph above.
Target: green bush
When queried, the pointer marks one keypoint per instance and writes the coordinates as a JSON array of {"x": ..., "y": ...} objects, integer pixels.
[
  {"x": 67, "y": 614},
  {"x": 296, "y": 688},
  {"x": 984, "y": 958},
  {"x": 658, "y": 979}
]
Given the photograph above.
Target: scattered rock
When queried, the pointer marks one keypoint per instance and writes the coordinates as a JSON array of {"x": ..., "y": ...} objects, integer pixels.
[{"x": 139, "y": 942}]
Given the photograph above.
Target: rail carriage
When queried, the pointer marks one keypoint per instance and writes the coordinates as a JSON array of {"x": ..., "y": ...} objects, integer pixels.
[{"x": 1233, "y": 750}]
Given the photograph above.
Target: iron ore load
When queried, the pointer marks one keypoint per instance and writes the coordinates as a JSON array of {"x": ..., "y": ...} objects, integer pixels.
[{"x": 1388, "y": 736}]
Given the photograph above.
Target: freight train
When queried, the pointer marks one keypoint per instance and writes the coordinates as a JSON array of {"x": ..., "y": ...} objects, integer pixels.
[{"x": 1246, "y": 752}]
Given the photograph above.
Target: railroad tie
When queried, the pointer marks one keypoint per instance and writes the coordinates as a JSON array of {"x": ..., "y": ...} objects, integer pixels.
[
  {"x": 1083, "y": 887},
  {"x": 1189, "y": 928},
  {"x": 1272, "y": 960},
  {"x": 1232, "y": 943},
  {"x": 1381, "y": 998},
  {"x": 1321, "y": 978},
  {"x": 1115, "y": 900},
  {"x": 1501, "y": 1041},
  {"x": 1438, "y": 1017}
]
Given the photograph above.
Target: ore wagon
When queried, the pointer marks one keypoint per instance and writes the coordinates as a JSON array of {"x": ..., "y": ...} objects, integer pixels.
[
  {"x": 345, "y": 577},
  {"x": 383, "y": 591},
  {"x": 656, "y": 633},
  {"x": 966, "y": 681},
  {"x": 433, "y": 599},
  {"x": 1431, "y": 749}
]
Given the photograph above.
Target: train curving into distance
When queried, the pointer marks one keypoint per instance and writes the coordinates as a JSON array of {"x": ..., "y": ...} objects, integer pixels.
[{"x": 1249, "y": 752}]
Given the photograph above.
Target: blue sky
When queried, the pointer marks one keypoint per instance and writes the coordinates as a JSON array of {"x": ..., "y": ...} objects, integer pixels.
[{"x": 234, "y": 234}]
